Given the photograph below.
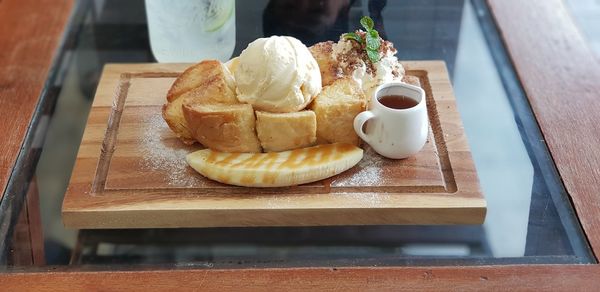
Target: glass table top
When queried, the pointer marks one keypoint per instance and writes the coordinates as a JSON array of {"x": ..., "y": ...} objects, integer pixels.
[{"x": 529, "y": 218}]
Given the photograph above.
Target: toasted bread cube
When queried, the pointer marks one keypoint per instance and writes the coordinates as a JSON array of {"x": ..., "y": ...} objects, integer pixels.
[
  {"x": 336, "y": 107},
  {"x": 323, "y": 53},
  {"x": 207, "y": 82},
  {"x": 173, "y": 115},
  {"x": 286, "y": 131},
  {"x": 223, "y": 127}
]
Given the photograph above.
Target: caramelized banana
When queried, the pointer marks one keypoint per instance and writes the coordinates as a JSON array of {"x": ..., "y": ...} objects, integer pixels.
[{"x": 276, "y": 169}]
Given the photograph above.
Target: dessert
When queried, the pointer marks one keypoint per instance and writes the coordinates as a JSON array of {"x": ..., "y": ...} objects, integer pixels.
[
  {"x": 275, "y": 169},
  {"x": 223, "y": 127},
  {"x": 335, "y": 108},
  {"x": 286, "y": 131},
  {"x": 280, "y": 97},
  {"x": 277, "y": 74}
]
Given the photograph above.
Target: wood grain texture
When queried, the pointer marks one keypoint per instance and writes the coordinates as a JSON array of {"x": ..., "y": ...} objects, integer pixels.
[
  {"x": 487, "y": 278},
  {"x": 560, "y": 75},
  {"x": 30, "y": 31},
  {"x": 28, "y": 239},
  {"x": 131, "y": 173},
  {"x": 21, "y": 251},
  {"x": 34, "y": 218}
]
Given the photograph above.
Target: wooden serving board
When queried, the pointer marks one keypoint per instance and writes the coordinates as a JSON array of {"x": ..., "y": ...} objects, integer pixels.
[{"x": 130, "y": 171}]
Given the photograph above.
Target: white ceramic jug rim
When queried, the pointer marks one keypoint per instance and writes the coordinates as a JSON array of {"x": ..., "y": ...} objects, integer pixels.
[{"x": 419, "y": 91}]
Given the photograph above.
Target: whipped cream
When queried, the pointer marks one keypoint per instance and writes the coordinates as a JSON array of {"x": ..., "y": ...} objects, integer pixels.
[{"x": 354, "y": 62}]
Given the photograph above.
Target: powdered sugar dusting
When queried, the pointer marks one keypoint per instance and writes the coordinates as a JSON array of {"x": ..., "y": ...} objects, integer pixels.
[
  {"x": 160, "y": 154},
  {"x": 368, "y": 171}
]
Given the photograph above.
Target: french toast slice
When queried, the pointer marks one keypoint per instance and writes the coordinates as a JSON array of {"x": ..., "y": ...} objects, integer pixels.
[
  {"x": 222, "y": 127},
  {"x": 286, "y": 131},
  {"x": 208, "y": 82},
  {"x": 335, "y": 108}
]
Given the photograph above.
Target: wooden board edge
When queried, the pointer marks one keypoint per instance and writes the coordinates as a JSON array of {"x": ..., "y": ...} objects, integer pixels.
[{"x": 473, "y": 213}]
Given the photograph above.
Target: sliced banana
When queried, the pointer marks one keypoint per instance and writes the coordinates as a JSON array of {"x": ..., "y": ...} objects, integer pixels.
[{"x": 276, "y": 169}]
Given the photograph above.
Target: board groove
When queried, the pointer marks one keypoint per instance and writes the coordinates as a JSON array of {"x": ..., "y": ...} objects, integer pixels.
[
  {"x": 437, "y": 131},
  {"x": 110, "y": 137},
  {"x": 110, "y": 140}
]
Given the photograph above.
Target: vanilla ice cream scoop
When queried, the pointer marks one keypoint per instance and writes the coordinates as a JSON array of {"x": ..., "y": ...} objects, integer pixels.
[{"x": 277, "y": 74}]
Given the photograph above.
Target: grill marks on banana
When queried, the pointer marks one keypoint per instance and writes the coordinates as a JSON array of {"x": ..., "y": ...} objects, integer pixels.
[{"x": 270, "y": 169}]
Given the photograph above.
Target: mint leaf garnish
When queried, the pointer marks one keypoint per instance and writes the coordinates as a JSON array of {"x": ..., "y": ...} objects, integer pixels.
[
  {"x": 373, "y": 55},
  {"x": 371, "y": 40},
  {"x": 367, "y": 23},
  {"x": 353, "y": 36}
]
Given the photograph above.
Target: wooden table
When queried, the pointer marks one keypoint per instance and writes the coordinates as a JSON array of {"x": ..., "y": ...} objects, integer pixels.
[{"x": 552, "y": 61}]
